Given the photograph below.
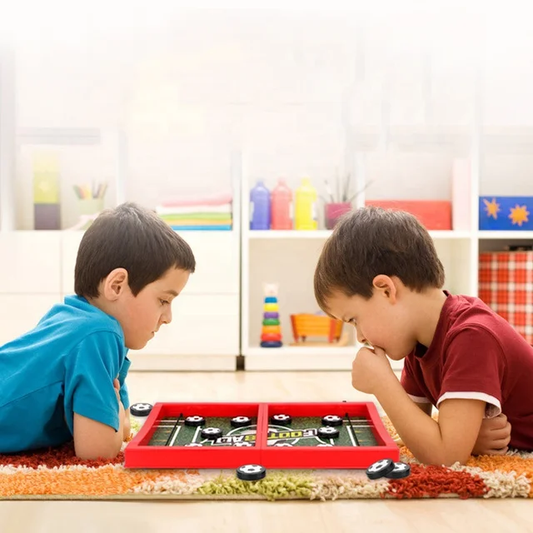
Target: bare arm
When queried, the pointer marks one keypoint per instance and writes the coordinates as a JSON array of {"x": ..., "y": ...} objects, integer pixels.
[
  {"x": 93, "y": 440},
  {"x": 447, "y": 441},
  {"x": 425, "y": 407},
  {"x": 127, "y": 424},
  {"x": 493, "y": 437}
]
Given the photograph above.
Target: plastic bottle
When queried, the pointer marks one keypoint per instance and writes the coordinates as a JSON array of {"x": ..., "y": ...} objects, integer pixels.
[
  {"x": 259, "y": 207},
  {"x": 281, "y": 206},
  {"x": 305, "y": 211}
]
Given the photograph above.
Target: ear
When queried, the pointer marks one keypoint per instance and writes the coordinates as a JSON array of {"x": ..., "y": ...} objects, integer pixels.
[
  {"x": 386, "y": 286},
  {"x": 115, "y": 284}
]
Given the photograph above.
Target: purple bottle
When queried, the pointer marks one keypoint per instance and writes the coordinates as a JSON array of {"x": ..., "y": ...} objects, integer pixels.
[{"x": 259, "y": 207}]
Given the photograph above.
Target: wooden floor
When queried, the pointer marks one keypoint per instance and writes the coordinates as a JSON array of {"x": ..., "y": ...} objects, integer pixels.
[{"x": 372, "y": 516}]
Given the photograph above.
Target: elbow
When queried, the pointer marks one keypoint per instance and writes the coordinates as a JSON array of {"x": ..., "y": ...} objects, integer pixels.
[
  {"x": 452, "y": 455},
  {"x": 95, "y": 453},
  {"x": 94, "y": 456},
  {"x": 444, "y": 459},
  {"x": 456, "y": 458}
]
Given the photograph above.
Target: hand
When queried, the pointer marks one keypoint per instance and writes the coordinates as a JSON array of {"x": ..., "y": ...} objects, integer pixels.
[
  {"x": 371, "y": 370},
  {"x": 494, "y": 436}
]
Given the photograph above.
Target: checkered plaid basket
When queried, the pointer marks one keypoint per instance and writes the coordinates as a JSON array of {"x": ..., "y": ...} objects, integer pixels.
[{"x": 506, "y": 285}]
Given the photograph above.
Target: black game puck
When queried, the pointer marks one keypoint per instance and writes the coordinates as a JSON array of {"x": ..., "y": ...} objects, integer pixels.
[
  {"x": 251, "y": 472},
  {"x": 329, "y": 432},
  {"x": 195, "y": 421},
  {"x": 141, "y": 409},
  {"x": 380, "y": 469},
  {"x": 211, "y": 433},
  {"x": 331, "y": 420},
  {"x": 280, "y": 419},
  {"x": 400, "y": 470},
  {"x": 240, "y": 421}
]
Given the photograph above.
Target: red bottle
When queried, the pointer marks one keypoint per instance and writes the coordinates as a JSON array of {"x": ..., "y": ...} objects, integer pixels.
[{"x": 281, "y": 206}]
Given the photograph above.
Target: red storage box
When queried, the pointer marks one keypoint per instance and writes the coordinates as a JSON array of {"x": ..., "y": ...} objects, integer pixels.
[
  {"x": 506, "y": 285},
  {"x": 433, "y": 214}
]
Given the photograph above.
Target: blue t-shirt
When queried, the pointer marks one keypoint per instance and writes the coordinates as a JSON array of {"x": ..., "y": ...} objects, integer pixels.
[{"x": 65, "y": 365}]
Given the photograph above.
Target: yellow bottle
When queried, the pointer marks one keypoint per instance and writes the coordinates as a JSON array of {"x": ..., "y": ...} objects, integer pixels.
[{"x": 305, "y": 214}]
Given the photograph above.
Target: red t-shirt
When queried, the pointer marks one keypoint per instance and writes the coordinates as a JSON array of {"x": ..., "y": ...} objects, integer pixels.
[{"x": 476, "y": 354}]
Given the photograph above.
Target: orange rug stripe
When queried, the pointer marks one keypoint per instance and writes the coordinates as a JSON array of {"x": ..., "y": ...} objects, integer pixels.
[{"x": 102, "y": 481}]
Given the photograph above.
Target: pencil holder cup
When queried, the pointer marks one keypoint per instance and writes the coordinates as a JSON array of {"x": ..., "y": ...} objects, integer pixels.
[
  {"x": 333, "y": 211},
  {"x": 90, "y": 206}
]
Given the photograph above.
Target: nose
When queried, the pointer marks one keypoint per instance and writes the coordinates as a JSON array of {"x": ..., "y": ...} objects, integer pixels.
[
  {"x": 360, "y": 337},
  {"x": 166, "y": 317}
]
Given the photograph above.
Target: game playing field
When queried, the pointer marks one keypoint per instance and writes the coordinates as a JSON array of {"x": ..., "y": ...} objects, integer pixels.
[{"x": 302, "y": 431}]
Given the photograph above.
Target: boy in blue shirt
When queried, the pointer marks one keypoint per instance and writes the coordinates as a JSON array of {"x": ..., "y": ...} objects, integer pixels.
[{"x": 65, "y": 379}]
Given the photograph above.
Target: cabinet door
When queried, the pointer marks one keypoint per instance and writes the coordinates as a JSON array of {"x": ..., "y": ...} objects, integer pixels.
[
  {"x": 201, "y": 325},
  {"x": 30, "y": 262},
  {"x": 217, "y": 262},
  {"x": 20, "y": 313}
]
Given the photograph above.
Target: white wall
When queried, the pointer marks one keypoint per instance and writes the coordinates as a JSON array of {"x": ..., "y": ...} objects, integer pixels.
[
  {"x": 188, "y": 86},
  {"x": 280, "y": 85}
]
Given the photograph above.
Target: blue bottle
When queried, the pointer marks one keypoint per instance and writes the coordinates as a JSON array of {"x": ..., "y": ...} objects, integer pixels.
[{"x": 259, "y": 207}]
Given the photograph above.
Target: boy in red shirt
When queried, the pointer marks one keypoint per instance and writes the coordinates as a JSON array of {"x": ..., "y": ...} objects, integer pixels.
[{"x": 380, "y": 272}]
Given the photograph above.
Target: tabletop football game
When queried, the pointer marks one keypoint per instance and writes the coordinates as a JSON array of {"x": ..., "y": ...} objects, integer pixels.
[{"x": 272, "y": 435}]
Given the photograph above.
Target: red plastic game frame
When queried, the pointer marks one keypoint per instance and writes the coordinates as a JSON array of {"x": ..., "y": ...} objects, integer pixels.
[{"x": 139, "y": 455}]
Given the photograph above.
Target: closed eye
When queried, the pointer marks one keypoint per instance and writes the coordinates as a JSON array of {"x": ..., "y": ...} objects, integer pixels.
[{"x": 163, "y": 302}]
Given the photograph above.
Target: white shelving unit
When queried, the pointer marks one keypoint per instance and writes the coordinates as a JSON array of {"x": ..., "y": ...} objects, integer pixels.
[
  {"x": 211, "y": 300},
  {"x": 100, "y": 131},
  {"x": 302, "y": 98},
  {"x": 296, "y": 253},
  {"x": 205, "y": 330},
  {"x": 458, "y": 250}
]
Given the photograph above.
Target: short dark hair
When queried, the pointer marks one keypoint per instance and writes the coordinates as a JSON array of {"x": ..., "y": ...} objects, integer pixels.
[
  {"x": 370, "y": 241},
  {"x": 131, "y": 237}
]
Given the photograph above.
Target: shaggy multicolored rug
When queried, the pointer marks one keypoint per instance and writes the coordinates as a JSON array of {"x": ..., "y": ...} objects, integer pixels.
[{"x": 58, "y": 474}]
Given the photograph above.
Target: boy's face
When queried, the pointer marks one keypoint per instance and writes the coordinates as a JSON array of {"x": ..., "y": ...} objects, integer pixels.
[
  {"x": 378, "y": 321},
  {"x": 141, "y": 316}
]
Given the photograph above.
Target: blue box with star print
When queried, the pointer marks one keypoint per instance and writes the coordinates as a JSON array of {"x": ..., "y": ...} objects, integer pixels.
[{"x": 506, "y": 213}]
